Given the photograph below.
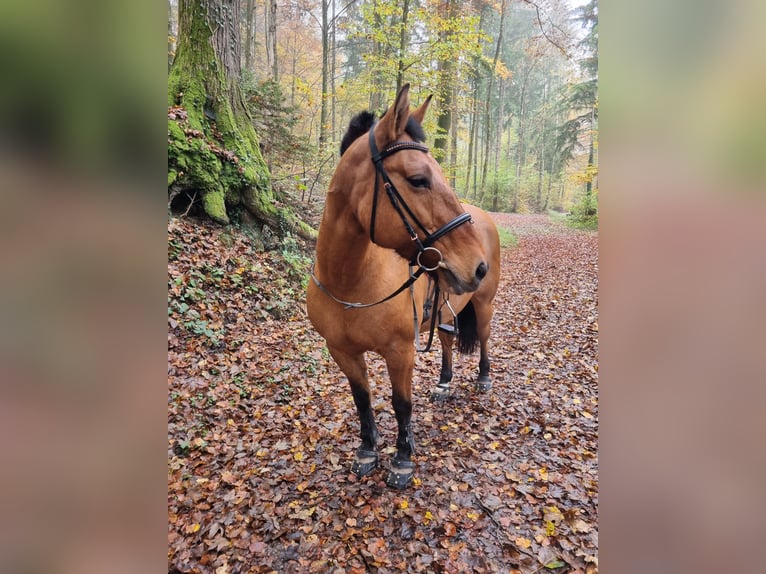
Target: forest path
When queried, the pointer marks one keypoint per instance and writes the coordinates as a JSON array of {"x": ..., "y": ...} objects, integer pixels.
[{"x": 262, "y": 428}]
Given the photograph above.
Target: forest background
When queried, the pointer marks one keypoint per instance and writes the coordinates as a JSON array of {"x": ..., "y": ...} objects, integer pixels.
[{"x": 514, "y": 85}]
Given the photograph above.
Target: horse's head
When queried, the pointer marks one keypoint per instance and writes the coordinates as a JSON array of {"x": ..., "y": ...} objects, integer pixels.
[{"x": 402, "y": 201}]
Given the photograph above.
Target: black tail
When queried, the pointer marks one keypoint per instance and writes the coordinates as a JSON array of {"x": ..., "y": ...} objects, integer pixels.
[{"x": 468, "y": 334}]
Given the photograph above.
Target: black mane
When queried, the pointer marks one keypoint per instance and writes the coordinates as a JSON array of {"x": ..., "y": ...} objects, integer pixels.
[{"x": 362, "y": 122}]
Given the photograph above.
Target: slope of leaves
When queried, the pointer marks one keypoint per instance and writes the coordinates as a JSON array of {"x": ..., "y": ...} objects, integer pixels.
[{"x": 262, "y": 427}]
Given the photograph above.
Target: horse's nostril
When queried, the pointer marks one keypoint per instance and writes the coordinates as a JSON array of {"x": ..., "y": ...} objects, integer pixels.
[{"x": 481, "y": 270}]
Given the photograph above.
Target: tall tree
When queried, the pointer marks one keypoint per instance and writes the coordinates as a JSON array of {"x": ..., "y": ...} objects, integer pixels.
[
  {"x": 172, "y": 32},
  {"x": 249, "y": 34},
  {"x": 446, "y": 71},
  {"x": 270, "y": 21},
  {"x": 323, "y": 115},
  {"x": 213, "y": 150},
  {"x": 488, "y": 128},
  {"x": 403, "y": 36},
  {"x": 581, "y": 102}
]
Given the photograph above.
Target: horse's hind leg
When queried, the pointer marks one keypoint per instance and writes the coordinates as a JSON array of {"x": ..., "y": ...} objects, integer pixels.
[
  {"x": 442, "y": 389},
  {"x": 400, "y": 364},
  {"x": 355, "y": 369},
  {"x": 483, "y": 318}
]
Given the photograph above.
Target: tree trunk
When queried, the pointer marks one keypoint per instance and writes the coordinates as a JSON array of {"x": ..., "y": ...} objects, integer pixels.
[
  {"x": 376, "y": 88},
  {"x": 323, "y": 111},
  {"x": 445, "y": 71},
  {"x": 453, "y": 144},
  {"x": 171, "y": 34},
  {"x": 472, "y": 124},
  {"x": 590, "y": 210},
  {"x": 488, "y": 110},
  {"x": 332, "y": 73},
  {"x": 519, "y": 152},
  {"x": 213, "y": 150},
  {"x": 541, "y": 151},
  {"x": 444, "y": 121},
  {"x": 521, "y": 155},
  {"x": 471, "y": 137},
  {"x": 271, "y": 38},
  {"x": 498, "y": 144},
  {"x": 249, "y": 35},
  {"x": 403, "y": 31}
]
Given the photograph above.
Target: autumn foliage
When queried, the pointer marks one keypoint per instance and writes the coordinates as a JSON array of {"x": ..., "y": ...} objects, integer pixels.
[{"x": 262, "y": 427}]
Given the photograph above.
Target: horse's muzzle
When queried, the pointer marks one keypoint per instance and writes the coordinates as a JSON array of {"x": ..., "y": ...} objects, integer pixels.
[
  {"x": 459, "y": 286},
  {"x": 481, "y": 271}
]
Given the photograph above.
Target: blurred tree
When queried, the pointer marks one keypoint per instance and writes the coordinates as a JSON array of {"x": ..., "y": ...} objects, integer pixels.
[
  {"x": 172, "y": 31},
  {"x": 581, "y": 105}
]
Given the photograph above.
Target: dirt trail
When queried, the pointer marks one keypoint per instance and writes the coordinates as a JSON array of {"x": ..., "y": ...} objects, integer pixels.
[{"x": 262, "y": 429}]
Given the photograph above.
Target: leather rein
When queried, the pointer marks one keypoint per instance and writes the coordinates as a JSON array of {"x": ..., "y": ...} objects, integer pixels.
[{"x": 423, "y": 245}]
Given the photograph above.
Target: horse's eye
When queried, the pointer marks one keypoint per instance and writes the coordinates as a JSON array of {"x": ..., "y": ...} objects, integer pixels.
[{"x": 419, "y": 181}]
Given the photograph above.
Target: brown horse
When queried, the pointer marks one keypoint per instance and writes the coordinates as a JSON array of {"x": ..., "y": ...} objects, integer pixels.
[{"x": 390, "y": 217}]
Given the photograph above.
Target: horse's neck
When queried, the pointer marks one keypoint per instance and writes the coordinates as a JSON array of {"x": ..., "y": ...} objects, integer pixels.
[{"x": 344, "y": 250}]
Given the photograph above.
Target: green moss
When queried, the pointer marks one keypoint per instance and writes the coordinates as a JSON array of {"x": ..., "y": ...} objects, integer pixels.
[
  {"x": 213, "y": 203},
  {"x": 257, "y": 203},
  {"x": 175, "y": 132},
  {"x": 198, "y": 84},
  {"x": 305, "y": 230}
]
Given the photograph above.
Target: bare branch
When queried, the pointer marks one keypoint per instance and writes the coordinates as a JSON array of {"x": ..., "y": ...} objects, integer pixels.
[{"x": 553, "y": 42}]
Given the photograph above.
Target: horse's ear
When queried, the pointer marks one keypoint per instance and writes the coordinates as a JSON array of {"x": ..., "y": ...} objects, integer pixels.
[
  {"x": 420, "y": 113},
  {"x": 392, "y": 125}
]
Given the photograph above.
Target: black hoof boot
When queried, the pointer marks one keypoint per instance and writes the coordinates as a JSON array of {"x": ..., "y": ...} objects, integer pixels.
[
  {"x": 400, "y": 474},
  {"x": 440, "y": 393},
  {"x": 366, "y": 461},
  {"x": 483, "y": 383}
]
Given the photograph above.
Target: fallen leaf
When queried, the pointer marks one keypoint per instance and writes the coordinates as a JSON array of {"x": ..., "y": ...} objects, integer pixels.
[{"x": 522, "y": 542}]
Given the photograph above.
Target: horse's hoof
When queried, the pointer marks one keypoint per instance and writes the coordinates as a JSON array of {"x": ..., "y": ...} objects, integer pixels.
[
  {"x": 483, "y": 384},
  {"x": 365, "y": 462},
  {"x": 400, "y": 474},
  {"x": 440, "y": 394}
]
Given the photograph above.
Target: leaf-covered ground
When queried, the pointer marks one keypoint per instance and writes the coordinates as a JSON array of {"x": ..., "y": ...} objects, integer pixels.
[{"x": 262, "y": 427}]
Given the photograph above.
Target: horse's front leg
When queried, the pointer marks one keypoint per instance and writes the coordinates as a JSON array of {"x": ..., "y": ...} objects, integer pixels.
[
  {"x": 400, "y": 366},
  {"x": 442, "y": 389},
  {"x": 355, "y": 368}
]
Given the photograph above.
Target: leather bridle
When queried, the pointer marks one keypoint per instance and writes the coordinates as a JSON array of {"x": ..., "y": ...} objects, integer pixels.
[{"x": 423, "y": 245}]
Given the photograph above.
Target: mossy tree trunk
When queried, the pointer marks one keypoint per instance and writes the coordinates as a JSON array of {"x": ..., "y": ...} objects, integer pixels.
[{"x": 213, "y": 149}]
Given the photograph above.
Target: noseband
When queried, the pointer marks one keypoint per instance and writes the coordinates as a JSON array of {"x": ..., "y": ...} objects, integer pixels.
[{"x": 425, "y": 244}]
